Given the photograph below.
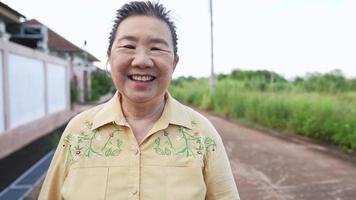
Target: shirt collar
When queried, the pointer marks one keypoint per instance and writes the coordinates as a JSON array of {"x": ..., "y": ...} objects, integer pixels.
[
  {"x": 110, "y": 112},
  {"x": 173, "y": 113}
]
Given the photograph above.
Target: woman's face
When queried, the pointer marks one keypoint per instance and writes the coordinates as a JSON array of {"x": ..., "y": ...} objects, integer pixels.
[{"x": 142, "y": 58}]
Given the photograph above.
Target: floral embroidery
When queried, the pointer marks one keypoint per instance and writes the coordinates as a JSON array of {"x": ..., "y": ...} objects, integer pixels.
[
  {"x": 80, "y": 146},
  {"x": 168, "y": 149},
  {"x": 194, "y": 145},
  {"x": 91, "y": 143}
]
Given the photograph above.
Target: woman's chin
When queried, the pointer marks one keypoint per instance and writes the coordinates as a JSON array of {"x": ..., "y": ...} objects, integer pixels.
[{"x": 142, "y": 97}]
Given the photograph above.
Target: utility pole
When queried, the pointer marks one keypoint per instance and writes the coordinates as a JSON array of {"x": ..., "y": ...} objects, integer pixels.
[
  {"x": 86, "y": 74},
  {"x": 85, "y": 54},
  {"x": 212, "y": 82}
]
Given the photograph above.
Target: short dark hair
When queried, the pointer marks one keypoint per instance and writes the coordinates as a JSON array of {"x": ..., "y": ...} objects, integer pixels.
[{"x": 145, "y": 8}]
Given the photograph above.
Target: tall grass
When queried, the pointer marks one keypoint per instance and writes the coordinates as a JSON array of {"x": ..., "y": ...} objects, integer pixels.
[{"x": 326, "y": 117}]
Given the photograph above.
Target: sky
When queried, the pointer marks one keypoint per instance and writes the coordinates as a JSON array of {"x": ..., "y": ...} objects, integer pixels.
[{"x": 290, "y": 37}]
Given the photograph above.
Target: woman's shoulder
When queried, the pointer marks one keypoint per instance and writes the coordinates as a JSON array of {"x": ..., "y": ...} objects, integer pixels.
[
  {"x": 202, "y": 129},
  {"x": 200, "y": 122},
  {"x": 84, "y": 117}
]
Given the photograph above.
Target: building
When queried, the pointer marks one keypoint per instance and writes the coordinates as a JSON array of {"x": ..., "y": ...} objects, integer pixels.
[
  {"x": 34, "y": 34},
  {"x": 8, "y": 17},
  {"x": 36, "y": 67}
]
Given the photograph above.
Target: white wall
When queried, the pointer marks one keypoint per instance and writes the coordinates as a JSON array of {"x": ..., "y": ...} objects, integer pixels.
[
  {"x": 56, "y": 87},
  {"x": 2, "y": 116},
  {"x": 78, "y": 60},
  {"x": 26, "y": 89}
]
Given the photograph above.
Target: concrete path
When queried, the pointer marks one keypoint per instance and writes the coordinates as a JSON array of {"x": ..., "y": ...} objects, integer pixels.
[{"x": 267, "y": 167}]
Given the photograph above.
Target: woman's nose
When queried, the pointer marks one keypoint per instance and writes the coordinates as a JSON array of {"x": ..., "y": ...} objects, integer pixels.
[{"x": 142, "y": 59}]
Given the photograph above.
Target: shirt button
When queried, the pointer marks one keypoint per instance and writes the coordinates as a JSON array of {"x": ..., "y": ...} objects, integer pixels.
[
  {"x": 134, "y": 191},
  {"x": 136, "y": 152}
]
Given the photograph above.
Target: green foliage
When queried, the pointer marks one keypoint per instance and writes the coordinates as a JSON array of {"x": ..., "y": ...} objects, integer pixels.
[
  {"x": 331, "y": 82},
  {"x": 260, "y": 75},
  {"x": 179, "y": 88},
  {"x": 320, "y": 106},
  {"x": 101, "y": 84},
  {"x": 55, "y": 139}
]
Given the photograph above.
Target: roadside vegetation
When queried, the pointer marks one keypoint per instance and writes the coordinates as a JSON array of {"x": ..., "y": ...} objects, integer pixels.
[
  {"x": 320, "y": 106},
  {"x": 101, "y": 84}
]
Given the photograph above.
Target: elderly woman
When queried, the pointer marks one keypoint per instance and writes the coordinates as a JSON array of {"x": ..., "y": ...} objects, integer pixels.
[{"x": 142, "y": 144}]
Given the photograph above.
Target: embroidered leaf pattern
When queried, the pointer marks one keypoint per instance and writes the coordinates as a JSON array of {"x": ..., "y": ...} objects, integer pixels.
[
  {"x": 85, "y": 144},
  {"x": 166, "y": 148},
  {"x": 194, "y": 145},
  {"x": 209, "y": 144},
  {"x": 187, "y": 150},
  {"x": 81, "y": 146},
  {"x": 88, "y": 125},
  {"x": 168, "y": 141},
  {"x": 167, "y": 151}
]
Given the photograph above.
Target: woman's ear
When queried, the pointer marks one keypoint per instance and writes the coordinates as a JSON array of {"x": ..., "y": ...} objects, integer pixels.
[
  {"x": 175, "y": 62},
  {"x": 107, "y": 59}
]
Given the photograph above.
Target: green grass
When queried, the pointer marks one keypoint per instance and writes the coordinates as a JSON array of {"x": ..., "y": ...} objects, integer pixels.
[{"x": 326, "y": 117}]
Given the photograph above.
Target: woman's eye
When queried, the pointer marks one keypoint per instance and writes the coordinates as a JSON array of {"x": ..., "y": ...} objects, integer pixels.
[
  {"x": 128, "y": 46},
  {"x": 155, "y": 49}
]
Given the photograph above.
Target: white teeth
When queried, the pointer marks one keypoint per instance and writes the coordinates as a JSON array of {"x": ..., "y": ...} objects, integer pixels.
[{"x": 142, "y": 77}]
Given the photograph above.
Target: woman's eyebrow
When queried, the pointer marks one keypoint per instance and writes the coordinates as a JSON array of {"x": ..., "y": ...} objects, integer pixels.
[
  {"x": 127, "y": 37},
  {"x": 152, "y": 40},
  {"x": 159, "y": 41}
]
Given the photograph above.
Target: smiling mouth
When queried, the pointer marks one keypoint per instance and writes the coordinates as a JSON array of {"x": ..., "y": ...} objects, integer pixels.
[{"x": 141, "y": 78}]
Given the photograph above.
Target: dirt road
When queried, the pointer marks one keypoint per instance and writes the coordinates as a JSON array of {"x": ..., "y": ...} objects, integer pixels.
[{"x": 267, "y": 167}]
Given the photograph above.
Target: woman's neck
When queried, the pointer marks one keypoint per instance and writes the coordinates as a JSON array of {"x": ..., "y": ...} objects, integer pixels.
[{"x": 150, "y": 111}]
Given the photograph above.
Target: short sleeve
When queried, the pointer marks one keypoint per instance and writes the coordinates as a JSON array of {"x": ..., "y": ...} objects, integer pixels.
[
  {"x": 51, "y": 188},
  {"x": 218, "y": 176}
]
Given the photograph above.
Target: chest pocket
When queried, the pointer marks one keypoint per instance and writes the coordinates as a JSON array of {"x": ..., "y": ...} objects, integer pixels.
[
  {"x": 92, "y": 179},
  {"x": 85, "y": 183},
  {"x": 173, "y": 179}
]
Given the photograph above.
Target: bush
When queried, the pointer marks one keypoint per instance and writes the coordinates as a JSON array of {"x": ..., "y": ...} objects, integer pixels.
[
  {"x": 101, "y": 84},
  {"x": 324, "y": 116}
]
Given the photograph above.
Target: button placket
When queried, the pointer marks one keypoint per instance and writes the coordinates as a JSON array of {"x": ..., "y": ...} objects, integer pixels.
[
  {"x": 134, "y": 191},
  {"x": 136, "y": 152},
  {"x": 134, "y": 172}
]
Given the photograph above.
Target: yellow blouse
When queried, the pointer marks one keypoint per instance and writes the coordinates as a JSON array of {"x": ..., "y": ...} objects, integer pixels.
[{"x": 98, "y": 157}]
